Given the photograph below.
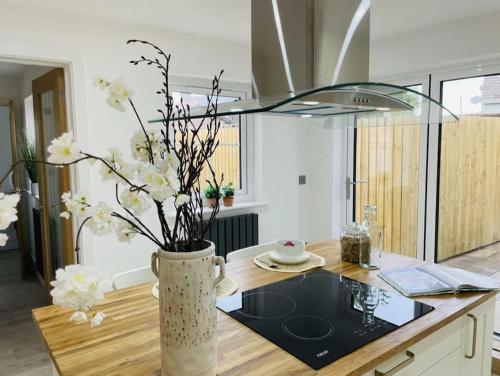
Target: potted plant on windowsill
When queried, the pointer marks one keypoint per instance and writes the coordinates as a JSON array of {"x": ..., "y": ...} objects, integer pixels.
[
  {"x": 27, "y": 151},
  {"x": 228, "y": 192},
  {"x": 163, "y": 172},
  {"x": 213, "y": 195}
]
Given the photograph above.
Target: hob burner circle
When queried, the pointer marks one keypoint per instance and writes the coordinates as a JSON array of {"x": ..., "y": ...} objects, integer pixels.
[
  {"x": 266, "y": 305},
  {"x": 318, "y": 283},
  {"x": 308, "y": 328}
]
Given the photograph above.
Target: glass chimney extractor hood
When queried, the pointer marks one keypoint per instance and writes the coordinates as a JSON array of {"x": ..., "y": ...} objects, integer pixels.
[{"x": 397, "y": 104}]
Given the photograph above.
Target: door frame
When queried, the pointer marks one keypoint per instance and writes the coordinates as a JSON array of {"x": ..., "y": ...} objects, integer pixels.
[
  {"x": 76, "y": 81},
  {"x": 52, "y": 81},
  {"x": 423, "y": 80},
  {"x": 432, "y": 219},
  {"x": 17, "y": 188}
]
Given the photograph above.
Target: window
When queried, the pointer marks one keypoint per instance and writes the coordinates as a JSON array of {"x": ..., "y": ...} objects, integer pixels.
[{"x": 230, "y": 157}]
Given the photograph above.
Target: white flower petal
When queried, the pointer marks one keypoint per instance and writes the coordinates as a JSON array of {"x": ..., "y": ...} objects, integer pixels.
[
  {"x": 64, "y": 215},
  {"x": 182, "y": 199},
  {"x": 101, "y": 82},
  {"x": 98, "y": 319},
  {"x": 78, "y": 316},
  {"x": 3, "y": 239}
]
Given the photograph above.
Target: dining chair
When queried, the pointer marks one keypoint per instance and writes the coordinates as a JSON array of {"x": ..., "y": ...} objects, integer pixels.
[
  {"x": 250, "y": 252},
  {"x": 133, "y": 277}
]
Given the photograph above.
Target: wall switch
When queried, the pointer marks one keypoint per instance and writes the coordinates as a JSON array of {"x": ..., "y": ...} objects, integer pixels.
[{"x": 302, "y": 179}]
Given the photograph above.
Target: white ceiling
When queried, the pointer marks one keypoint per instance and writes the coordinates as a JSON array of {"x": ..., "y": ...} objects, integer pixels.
[
  {"x": 390, "y": 17},
  {"x": 12, "y": 69}
]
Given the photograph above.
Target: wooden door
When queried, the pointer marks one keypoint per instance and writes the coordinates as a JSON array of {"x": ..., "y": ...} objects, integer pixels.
[
  {"x": 50, "y": 121},
  {"x": 17, "y": 188}
]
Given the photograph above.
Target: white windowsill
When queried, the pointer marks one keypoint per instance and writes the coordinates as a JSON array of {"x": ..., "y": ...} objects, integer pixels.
[{"x": 237, "y": 209}]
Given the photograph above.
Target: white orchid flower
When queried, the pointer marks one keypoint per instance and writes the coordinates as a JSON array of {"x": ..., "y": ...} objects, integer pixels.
[
  {"x": 3, "y": 239},
  {"x": 63, "y": 149},
  {"x": 79, "y": 287},
  {"x": 182, "y": 199},
  {"x": 134, "y": 201},
  {"x": 116, "y": 103},
  {"x": 139, "y": 146},
  {"x": 65, "y": 215},
  {"x": 124, "y": 231},
  {"x": 101, "y": 83},
  {"x": 119, "y": 93},
  {"x": 117, "y": 163},
  {"x": 101, "y": 222},
  {"x": 77, "y": 204},
  {"x": 8, "y": 209},
  {"x": 158, "y": 187},
  {"x": 173, "y": 180}
]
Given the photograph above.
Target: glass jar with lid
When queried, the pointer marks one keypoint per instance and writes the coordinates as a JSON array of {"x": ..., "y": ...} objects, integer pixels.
[{"x": 354, "y": 241}]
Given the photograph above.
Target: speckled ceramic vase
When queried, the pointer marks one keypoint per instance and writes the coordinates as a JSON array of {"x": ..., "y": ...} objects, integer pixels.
[{"x": 188, "y": 316}]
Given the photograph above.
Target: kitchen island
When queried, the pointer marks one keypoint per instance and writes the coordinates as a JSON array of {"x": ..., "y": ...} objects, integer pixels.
[{"x": 454, "y": 339}]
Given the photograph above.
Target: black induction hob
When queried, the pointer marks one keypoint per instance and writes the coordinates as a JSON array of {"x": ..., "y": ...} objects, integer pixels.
[{"x": 321, "y": 316}]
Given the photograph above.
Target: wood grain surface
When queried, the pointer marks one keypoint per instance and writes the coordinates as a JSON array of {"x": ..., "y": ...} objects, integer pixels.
[{"x": 128, "y": 343}]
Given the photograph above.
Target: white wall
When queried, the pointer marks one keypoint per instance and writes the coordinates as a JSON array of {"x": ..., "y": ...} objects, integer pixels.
[
  {"x": 292, "y": 147},
  {"x": 97, "y": 47},
  {"x": 460, "y": 42},
  {"x": 284, "y": 153}
]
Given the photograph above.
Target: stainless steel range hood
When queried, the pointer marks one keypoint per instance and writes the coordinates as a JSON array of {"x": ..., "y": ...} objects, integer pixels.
[{"x": 310, "y": 58}]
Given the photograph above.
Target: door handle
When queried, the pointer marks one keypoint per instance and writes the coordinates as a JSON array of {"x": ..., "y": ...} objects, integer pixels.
[
  {"x": 348, "y": 183},
  {"x": 400, "y": 366},
  {"x": 474, "y": 336}
]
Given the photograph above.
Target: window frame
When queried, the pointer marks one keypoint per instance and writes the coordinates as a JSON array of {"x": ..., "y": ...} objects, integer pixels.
[{"x": 242, "y": 90}]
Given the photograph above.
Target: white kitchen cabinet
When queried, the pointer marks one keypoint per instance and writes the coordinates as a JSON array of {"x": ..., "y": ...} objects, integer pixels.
[
  {"x": 478, "y": 323},
  {"x": 450, "y": 350}
]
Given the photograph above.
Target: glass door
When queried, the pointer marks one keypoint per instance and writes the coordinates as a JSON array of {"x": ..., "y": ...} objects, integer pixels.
[
  {"x": 387, "y": 165},
  {"x": 467, "y": 227}
]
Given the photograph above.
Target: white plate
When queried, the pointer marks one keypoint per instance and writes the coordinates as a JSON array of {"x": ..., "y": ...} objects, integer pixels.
[{"x": 276, "y": 257}]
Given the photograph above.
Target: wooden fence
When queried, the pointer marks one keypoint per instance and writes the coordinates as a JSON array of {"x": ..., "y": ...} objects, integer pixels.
[
  {"x": 388, "y": 158},
  {"x": 469, "y": 190},
  {"x": 469, "y": 187}
]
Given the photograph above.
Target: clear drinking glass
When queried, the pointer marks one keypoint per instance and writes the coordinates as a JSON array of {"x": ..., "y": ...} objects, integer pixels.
[{"x": 371, "y": 257}]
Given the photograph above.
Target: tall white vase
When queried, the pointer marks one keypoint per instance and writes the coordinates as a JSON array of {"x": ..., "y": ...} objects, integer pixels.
[{"x": 188, "y": 315}]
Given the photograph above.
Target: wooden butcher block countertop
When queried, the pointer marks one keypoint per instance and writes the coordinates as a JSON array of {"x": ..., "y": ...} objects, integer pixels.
[{"x": 128, "y": 341}]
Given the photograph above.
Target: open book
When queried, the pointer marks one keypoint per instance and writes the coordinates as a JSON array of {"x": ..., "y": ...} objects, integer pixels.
[{"x": 432, "y": 279}]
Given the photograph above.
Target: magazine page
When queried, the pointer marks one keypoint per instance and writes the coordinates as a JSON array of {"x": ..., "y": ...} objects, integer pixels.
[
  {"x": 441, "y": 273},
  {"x": 460, "y": 278},
  {"x": 413, "y": 282}
]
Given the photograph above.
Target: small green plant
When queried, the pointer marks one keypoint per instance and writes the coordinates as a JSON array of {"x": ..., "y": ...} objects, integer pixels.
[
  {"x": 28, "y": 154},
  {"x": 212, "y": 192},
  {"x": 228, "y": 190}
]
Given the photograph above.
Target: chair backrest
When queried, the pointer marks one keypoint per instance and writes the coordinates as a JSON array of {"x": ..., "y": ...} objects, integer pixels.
[
  {"x": 250, "y": 252},
  {"x": 133, "y": 277}
]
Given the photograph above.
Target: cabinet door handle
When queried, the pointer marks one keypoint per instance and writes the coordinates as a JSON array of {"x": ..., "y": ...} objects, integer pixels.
[
  {"x": 474, "y": 336},
  {"x": 400, "y": 366}
]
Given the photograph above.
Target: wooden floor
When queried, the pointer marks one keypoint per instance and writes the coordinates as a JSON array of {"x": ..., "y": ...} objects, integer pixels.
[{"x": 22, "y": 352}]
